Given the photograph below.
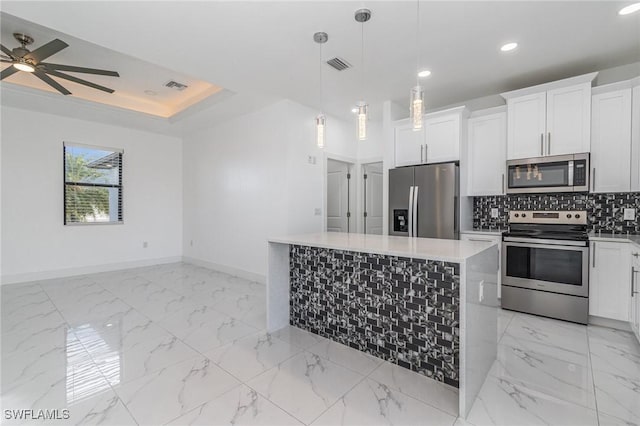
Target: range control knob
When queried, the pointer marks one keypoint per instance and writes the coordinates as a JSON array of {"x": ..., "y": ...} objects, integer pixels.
[
  {"x": 577, "y": 216},
  {"x": 524, "y": 215},
  {"x": 569, "y": 215},
  {"x": 516, "y": 215}
]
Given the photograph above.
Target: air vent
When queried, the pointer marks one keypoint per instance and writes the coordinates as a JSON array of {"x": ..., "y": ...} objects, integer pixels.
[
  {"x": 339, "y": 64},
  {"x": 175, "y": 85}
]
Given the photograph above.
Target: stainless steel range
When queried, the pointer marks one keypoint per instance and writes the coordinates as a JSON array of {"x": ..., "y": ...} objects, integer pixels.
[{"x": 545, "y": 260}]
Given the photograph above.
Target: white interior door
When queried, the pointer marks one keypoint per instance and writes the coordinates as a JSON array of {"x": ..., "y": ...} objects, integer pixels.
[
  {"x": 338, "y": 214},
  {"x": 372, "y": 198}
]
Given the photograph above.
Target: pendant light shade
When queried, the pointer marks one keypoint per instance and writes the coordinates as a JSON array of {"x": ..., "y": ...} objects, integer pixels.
[
  {"x": 363, "y": 110},
  {"x": 320, "y": 126},
  {"x": 416, "y": 97},
  {"x": 362, "y": 16},
  {"x": 321, "y": 120}
]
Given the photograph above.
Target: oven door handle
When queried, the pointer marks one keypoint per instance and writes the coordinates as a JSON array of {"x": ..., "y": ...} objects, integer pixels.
[{"x": 542, "y": 242}]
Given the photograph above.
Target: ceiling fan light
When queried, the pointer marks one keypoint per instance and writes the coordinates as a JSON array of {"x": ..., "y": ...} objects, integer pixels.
[{"x": 24, "y": 66}]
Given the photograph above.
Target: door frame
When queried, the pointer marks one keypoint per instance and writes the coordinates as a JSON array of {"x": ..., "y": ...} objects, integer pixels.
[{"x": 353, "y": 168}]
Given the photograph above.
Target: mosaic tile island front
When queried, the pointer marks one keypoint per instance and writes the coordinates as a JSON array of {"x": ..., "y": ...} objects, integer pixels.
[{"x": 419, "y": 309}]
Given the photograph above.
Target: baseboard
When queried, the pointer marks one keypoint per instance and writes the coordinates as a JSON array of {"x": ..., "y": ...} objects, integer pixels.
[
  {"x": 251, "y": 276},
  {"x": 611, "y": 323},
  {"x": 70, "y": 272}
]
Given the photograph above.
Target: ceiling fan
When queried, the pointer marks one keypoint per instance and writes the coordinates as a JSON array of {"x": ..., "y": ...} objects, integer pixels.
[{"x": 22, "y": 59}]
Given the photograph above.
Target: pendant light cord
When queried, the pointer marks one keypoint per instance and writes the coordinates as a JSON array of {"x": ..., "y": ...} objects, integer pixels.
[
  {"x": 362, "y": 58},
  {"x": 321, "y": 109},
  {"x": 417, "y": 42}
]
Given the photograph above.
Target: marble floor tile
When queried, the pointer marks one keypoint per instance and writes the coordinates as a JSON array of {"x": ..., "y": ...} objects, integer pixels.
[
  {"x": 240, "y": 406},
  {"x": 372, "y": 403},
  {"x": 503, "y": 402},
  {"x": 345, "y": 356},
  {"x": 615, "y": 358},
  {"x": 241, "y": 305},
  {"x": 90, "y": 294},
  {"x": 410, "y": 383},
  {"x": 618, "y": 395},
  {"x": 9, "y": 292},
  {"x": 21, "y": 342},
  {"x": 122, "y": 366},
  {"x": 247, "y": 357},
  {"x": 608, "y": 420},
  {"x": 504, "y": 318},
  {"x": 551, "y": 332},
  {"x": 610, "y": 335},
  {"x": 540, "y": 372},
  {"x": 212, "y": 336},
  {"x": 296, "y": 336},
  {"x": 100, "y": 307},
  {"x": 33, "y": 319},
  {"x": 305, "y": 385},
  {"x": 15, "y": 305},
  {"x": 173, "y": 391},
  {"x": 184, "y": 321},
  {"x": 161, "y": 304}
]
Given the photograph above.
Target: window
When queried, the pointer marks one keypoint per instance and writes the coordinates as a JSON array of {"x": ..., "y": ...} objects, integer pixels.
[{"x": 92, "y": 184}]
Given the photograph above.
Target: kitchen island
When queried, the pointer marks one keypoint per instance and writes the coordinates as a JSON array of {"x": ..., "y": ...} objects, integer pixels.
[{"x": 428, "y": 305}]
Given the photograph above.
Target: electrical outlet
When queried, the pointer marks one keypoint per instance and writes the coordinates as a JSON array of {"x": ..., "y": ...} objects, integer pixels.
[
  {"x": 494, "y": 213},
  {"x": 191, "y": 243},
  {"x": 145, "y": 244},
  {"x": 311, "y": 159},
  {"x": 629, "y": 214},
  {"x": 317, "y": 211},
  {"x": 481, "y": 291}
]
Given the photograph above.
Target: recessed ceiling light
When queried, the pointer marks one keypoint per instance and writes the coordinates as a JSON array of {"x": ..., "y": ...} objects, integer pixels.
[
  {"x": 424, "y": 73},
  {"x": 508, "y": 47},
  {"x": 629, "y": 9},
  {"x": 354, "y": 110},
  {"x": 150, "y": 92}
]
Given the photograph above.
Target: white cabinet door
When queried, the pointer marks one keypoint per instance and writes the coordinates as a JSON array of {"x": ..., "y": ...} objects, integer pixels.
[
  {"x": 442, "y": 138},
  {"x": 490, "y": 239},
  {"x": 610, "y": 281},
  {"x": 568, "y": 120},
  {"x": 635, "y": 139},
  {"x": 611, "y": 142},
  {"x": 409, "y": 145},
  {"x": 635, "y": 292},
  {"x": 526, "y": 126},
  {"x": 487, "y": 147}
]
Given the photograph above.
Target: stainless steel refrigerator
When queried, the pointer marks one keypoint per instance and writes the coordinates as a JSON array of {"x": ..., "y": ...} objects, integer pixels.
[{"x": 424, "y": 201}]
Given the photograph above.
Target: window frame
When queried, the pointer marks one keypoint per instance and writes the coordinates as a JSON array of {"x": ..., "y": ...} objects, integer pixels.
[{"x": 120, "y": 186}]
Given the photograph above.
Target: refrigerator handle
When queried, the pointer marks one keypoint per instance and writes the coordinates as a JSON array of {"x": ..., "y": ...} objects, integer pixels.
[
  {"x": 415, "y": 211},
  {"x": 411, "y": 211}
]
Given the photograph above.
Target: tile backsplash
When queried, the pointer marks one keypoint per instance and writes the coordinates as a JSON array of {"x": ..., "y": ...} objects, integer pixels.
[{"x": 605, "y": 211}]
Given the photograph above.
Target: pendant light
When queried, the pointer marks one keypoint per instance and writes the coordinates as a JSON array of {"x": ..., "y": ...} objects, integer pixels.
[
  {"x": 416, "y": 106},
  {"x": 362, "y": 16},
  {"x": 320, "y": 38}
]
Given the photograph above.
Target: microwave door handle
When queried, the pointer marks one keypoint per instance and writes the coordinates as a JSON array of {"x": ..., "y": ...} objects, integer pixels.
[
  {"x": 549, "y": 143},
  {"x": 569, "y": 172}
]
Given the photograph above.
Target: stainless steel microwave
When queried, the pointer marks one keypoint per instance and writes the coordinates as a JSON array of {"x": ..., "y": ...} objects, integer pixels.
[{"x": 558, "y": 173}]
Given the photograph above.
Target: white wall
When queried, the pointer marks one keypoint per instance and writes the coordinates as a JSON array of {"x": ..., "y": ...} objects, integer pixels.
[
  {"x": 249, "y": 179},
  {"x": 36, "y": 244}
]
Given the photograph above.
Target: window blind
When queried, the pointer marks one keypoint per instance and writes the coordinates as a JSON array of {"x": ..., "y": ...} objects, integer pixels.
[{"x": 92, "y": 184}]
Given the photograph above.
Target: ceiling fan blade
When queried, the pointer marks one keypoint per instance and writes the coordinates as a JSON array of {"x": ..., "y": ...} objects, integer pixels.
[
  {"x": 79, "y": 81},
  {"x": 7, "y": 72},
  {"x": 71, "y": 68},
  {"x": 43, "y": 52},
  {"x": 51, "y": 82},
  {"x": 6, "y": 51},
  {"x": 6, "y": 60}
]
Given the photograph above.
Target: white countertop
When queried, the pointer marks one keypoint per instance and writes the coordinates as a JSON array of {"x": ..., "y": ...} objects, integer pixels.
[
  {"x": 493, "y": 233},
  {"x": 420, "y": 248},
  {"x": 617, "y": 238}
]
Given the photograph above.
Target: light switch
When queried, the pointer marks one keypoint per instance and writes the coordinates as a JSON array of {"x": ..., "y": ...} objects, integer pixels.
[
  {"x": 629, "y": 214},
  {"x": 317, "y": 211},
  {"x": 494, "y": 213}
]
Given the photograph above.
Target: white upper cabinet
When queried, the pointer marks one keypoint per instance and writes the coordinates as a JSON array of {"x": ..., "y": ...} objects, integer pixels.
[
  {"x": 487, "y": 154},
  {"x": 569, "y": 119},
  {"x": 611, "y": 142},
  {"x": 550, "y": 119},
  {"x": 526, "y": 126},
  {"x": 409, "y": 144},
  {"x": 437, "y": 142},
  {"x": 635, "y": 138}
]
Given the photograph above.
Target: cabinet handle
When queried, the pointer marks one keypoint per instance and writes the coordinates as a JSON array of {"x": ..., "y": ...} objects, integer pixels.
[
  {"x": 593, "y": 257},
  {"x": 503, "y": 184},
  {"x": 549, "y": 144},
  {"x": 421, "y": 152},
  {"x": 426, "y": 151},
  {"x": 633, "y": 276},
  {"x": 541, "y": 144},
  {"x": 479, "y": 240},
  {"x": 593, "y": 179}
]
